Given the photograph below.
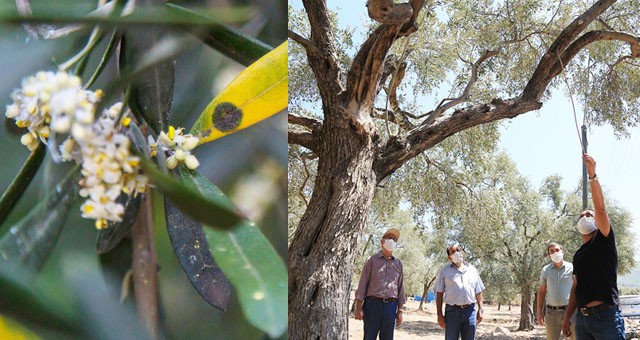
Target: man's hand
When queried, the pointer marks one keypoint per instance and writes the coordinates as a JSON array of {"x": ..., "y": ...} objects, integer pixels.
[
  {"x": 591, "y": 165},
  {"x": 398, "y": 318},
  {"x": 566, "y": 327},
  {"x": 479, "y": 316},
  {"x": 540, "y": 319},
  {"x": 441, "y": 321},
  {"x": 358, "y": 314}
]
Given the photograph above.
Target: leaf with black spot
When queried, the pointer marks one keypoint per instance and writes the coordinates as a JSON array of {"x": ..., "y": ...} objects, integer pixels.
[{"x": 190, "y": 245}]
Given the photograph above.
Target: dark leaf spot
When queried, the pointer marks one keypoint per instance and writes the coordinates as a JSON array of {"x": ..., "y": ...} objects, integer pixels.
[{"x": 227, "y": 117}]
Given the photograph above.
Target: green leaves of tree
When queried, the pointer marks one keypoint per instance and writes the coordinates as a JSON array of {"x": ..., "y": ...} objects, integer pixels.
[
  {"x": 151, "y": 93},
  {"x": 241, "y": 250},
  {"x": 21, "y": 182},
  {"x": 77, "y": 304},
  {"x": 192, "y": 201},
  {"x": 227, "y": 40},
  {"x": 31, "y": 240},
  {"x": 248, "y": 259}
]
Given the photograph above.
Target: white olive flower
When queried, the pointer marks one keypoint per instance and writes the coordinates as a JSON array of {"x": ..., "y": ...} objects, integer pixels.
[
  {"x": 190, "y": 143},
  {"x": 55, "y": 102},
  {"x": 108, "y": 167},
  {"x": 178, "y": 145},
  {"x": 191, "y": 162},
  {"x": 51, "y": 98}
]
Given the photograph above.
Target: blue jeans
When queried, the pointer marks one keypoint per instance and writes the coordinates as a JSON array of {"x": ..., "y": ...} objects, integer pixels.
[
  {"x": 460, "y": 322},
  {"x": 604, "y": 325},
  {"x": 379, "y": 317}
]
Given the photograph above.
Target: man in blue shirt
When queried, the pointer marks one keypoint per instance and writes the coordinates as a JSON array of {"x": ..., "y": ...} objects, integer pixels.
[
  {"x": 460, "y": 287},
  {"x": 595, "y": 268}
]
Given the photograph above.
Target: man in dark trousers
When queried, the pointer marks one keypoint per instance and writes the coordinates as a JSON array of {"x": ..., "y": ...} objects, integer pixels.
[
  {"x": 460, "y": 287},
  {"x": 595, "y": 265},
  {"x": 380, "y": 294}
]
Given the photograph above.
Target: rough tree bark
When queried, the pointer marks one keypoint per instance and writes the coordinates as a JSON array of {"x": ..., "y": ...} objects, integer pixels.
[
  {"x": 321, "y": 254},
  {"x": 352, "y": 159}
]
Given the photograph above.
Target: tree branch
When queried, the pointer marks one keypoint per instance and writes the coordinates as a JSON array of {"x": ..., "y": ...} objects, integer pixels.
[
  {"x": 400, "y": 150},
  {"x": 310, "y": 123},
  {"x": 306, "y": 139},
  {"x": 465, "y": 93},
  {"x": 304, "y": 157},
  {"x": 322, "y": 52},
  {"x": 541, "y": 77},
  {"x": 145, "y": 268},
  {"x": 589, "y": 38},
  {"x": 367, "y": 68},
  {"x": 391, "y": 116},
  {"x": 299, "y": 39}
]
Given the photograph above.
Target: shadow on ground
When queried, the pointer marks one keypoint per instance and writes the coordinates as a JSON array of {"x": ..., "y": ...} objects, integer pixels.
[{"x": 421, "y": 328}]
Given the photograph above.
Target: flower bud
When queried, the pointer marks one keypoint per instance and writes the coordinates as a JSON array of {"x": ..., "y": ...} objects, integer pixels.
[
  {"x": 191, "y": 162},
  {"x": 180, "y": 155},
  {"x": 26, "y": 139},
  {"x": 12, "y": 111},
  {"x": 172, "y": 162}
]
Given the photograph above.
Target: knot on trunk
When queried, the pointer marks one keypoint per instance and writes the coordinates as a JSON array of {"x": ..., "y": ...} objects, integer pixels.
[{"x": 386, "y": 12}]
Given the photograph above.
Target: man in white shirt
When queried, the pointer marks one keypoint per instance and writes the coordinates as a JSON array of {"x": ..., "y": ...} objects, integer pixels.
[{"x": 460, "y": 287}]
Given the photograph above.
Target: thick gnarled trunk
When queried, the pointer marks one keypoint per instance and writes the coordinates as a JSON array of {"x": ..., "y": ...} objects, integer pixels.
[{"x": 321, "y": 255}]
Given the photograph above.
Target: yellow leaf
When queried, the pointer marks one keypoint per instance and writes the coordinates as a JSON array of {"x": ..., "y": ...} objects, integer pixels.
[
  {"x": 257, "y": 93},
  {"x": 10, "y": 329}
]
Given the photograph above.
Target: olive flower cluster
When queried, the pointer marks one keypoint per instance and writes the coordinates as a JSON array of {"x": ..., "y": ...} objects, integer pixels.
[
  {"x": 55, "y": 101},
  {"x": 178, "y": 145}
]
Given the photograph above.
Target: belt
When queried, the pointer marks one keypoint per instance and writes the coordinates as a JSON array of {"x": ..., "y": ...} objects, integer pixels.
[
  {"x": 556, "y": 307},
  {"x": 384, "y": 300},
  {"x": 586, "y": 311},
  {"x": 462, "y": 306}
]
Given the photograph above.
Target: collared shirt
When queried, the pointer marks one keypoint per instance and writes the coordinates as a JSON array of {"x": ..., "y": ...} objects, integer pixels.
[
  {"x": 381, "y": 277},
  {"x": 558, "y": 282},
  {"x": 459, "y": 285}
]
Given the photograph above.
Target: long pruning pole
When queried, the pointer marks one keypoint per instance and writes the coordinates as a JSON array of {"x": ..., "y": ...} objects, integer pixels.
[{"x": 584, "y": 168}]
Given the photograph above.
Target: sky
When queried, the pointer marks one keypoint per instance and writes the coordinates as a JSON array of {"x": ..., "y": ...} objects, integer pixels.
[{"x": 545, "y": 142}]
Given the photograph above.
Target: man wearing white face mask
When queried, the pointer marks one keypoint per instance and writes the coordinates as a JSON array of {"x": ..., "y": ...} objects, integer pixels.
[
  {"x": 380, "y": 294},
  {"x": 595, "y": 265},
  {"x": 460, "y": 287},
  {"x": 556, "y": 280}
]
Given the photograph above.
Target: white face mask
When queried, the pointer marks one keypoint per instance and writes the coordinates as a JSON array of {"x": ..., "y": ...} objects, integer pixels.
[
  {"x": 456, "y": 258},
  {"x": 389, "y": 244},
  {"x": 557, "y": 257},
  {"x": 586, "y": 225}
]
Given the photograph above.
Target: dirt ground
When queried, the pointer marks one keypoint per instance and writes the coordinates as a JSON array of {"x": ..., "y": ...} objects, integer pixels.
[{"x": 497, "y": 325}]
